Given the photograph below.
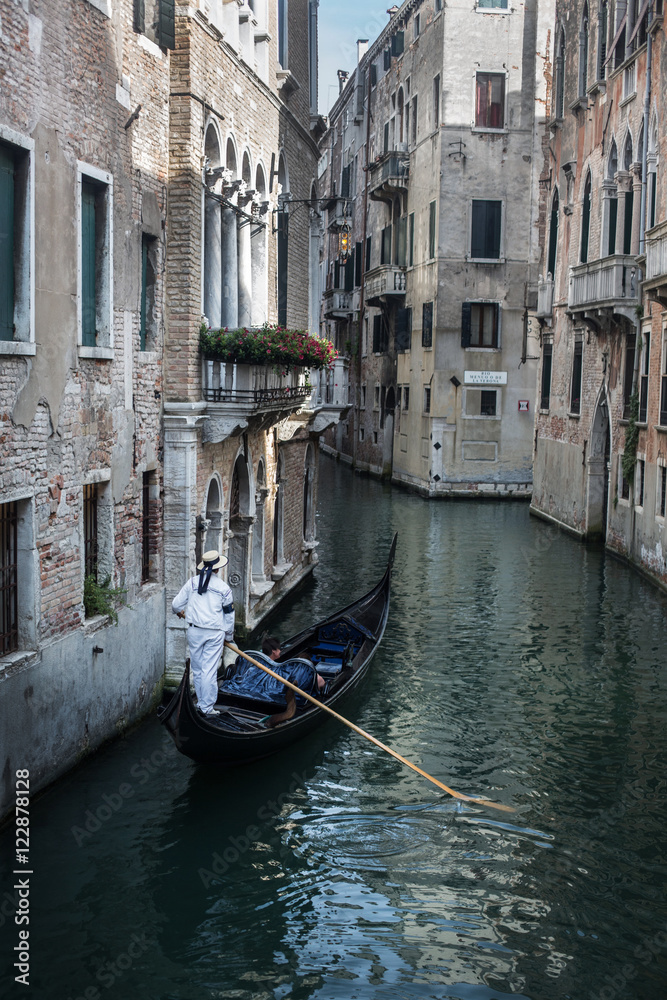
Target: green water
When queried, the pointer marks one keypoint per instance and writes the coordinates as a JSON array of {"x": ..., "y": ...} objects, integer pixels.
[{"x": 517, "y": 665}]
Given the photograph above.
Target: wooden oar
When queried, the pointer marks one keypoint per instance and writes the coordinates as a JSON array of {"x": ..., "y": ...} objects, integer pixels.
[{"x": 367, "y": 736}]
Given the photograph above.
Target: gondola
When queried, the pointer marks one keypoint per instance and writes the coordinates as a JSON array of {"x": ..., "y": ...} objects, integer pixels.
[{"x": 341, "y": 647}]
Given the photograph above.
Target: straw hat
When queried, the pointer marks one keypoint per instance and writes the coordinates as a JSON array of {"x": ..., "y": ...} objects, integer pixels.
[{"x": 212, "y": 559}]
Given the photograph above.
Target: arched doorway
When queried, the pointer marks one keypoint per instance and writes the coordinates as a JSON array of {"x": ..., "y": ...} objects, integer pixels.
[
  {"x": 308, "y": 489},
  {"x": 261, "y": 493},
  {"x": 240, "y": 520},
  {"x": 209, "y": 535},
  {"x": 597, "y": 491},
  {"x": 278, "y": 550}
]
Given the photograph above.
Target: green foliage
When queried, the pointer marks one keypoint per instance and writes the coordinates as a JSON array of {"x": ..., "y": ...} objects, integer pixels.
[
  {"x": 269, "y": 345},
  {"x": 102, "y": 598},
  {"x": 629, "y": 458}
]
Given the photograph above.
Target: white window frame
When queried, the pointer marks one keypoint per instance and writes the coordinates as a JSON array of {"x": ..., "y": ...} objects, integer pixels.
[
  {"x": 474, "y": 127},
  {"x": 641, "y": 457},
  {"x": 661, "y": 464},
  {"x": 482, "y": 416},
  {"x": 101, "y": 351},
  {"x": 105, "y": 525},
  {"x": 500, "y": 259},
  {"x": 28, "y": 578},
  {"x": 25, "y": 346},
  {"x": 494, "y": 10}
]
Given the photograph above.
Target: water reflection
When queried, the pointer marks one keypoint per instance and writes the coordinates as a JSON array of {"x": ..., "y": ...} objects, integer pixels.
[{"x": 518, "y": 666}]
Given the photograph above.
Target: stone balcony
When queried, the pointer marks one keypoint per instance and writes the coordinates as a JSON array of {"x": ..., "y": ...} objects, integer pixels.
[
  {"x": 655, "y": 279},
  {"x": 545, "y": 298},
  {"x": 389, "y": 175},
  {"x": 603, "y": 289},
  {"x": 385, "y": 283},
  {"x": 239, "y": 396},
  {"x": 337, "y": 304}
]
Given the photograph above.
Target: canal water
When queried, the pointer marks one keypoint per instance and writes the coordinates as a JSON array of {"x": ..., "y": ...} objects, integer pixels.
[{"x": 517, "y": 665}]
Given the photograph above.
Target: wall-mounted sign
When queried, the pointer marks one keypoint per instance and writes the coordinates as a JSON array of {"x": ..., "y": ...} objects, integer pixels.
[
  {"x": 523, "y": 406},
  {"x": 485, "y": 378}
]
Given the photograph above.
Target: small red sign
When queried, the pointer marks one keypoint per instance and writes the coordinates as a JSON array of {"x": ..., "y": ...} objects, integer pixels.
[{"x": 523, "y": 406}]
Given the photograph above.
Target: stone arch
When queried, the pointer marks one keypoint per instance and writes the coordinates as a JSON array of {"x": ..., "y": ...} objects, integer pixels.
[
  {"x": 278, "y": 512},
  {"x": 212, "y": 145},
  {"x": 261, "y": 493},
  {"x": 583, "y": 50},
  {"x": 652, "y": 173},
  {"x": 586, "y": 217},
  {"x": 308, "y": 494},
  {"x": 612, "y": 161},
  {"x": 559, "y": 89},
  {"x": 246, "y": 168},
  {"x": 209, "y": 534},
  {"x": 627, "y": 150},
  {"x": 231, "y": 156},
  {"x": 212, "y": 270},
  {"x": 597, "y": 486}
]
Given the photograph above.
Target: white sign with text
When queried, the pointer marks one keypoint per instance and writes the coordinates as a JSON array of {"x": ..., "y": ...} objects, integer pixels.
[{"x": 485, "y": 378}]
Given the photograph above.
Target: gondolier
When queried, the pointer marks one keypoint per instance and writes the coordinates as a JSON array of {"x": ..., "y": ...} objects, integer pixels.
[{"x": 207, "y": 604}]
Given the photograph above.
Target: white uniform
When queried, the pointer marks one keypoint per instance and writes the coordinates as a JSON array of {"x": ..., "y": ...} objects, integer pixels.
[{"x": 210, "y": 618}]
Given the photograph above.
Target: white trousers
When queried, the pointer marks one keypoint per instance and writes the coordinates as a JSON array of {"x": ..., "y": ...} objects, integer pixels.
[{"x": 206, "y": 647}]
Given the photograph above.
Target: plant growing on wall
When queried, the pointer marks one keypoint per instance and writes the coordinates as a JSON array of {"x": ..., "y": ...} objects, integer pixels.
[
  {"x": 102, "y": 598},
  {"x": 269, "y": 345},
  {"x": 629, "y": 457}
]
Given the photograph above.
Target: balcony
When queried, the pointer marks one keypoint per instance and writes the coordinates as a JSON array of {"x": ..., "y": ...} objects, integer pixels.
[
  {"x": 545, "y": 298},
  {"x": 337, "y": 304},
  {"x": 240, "y": 396},
  {"x": 655, "y": 281},
  {"x": 389, "y": 175},
  {"x": 603, "y": 289},
  {"x": 384, "y": 284}
]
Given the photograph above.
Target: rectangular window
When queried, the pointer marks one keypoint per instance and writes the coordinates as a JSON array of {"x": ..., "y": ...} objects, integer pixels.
[
  {"x": 146, "y": 527},
  {"x": 148, "y": 305},
  {"x": 492, "y": 4},
  {"x": 438, "y": 6},
  {"x": 663, "y": 382},
  {"x": 575, "y": 389},
  {"x": 95, "y": 259},
  {"x": 662, "y": 490},
  {"x": 385, "y": 146},
  {"x": 403, "y": 329},
  {"x": 640, "y": 472},
  {"x": 349, "y": 273},
  {"x": 427, "y": 324},
  {"x": 363, "y": 396},
  {"x": 9, "y": 631},
  {"x": 345, "y": 182},
  {"x": 376, "y": 397},
  {"x": 385, "y": 248},
  {"x": 427, "y": 399},
  {"x": 416, "y": 25},
  {"x": 479, "y": 324},
  {"x": 436, "y": 102},
  {"x": 628, "y": 373},
  {"x": 282, "y": 34},
  {"x": 90, "y": 529},
  {"x": 358, "y": 259},
  {"x": 399, "y": 391},
  {"x": 411, "y": 239},
  {"x": 625, "y": 485},
  {"x": 406, "y": 397},
  {"x": 402, "y": 241},
  {"x": 374, "y": 75},
  {"x": 487, "y": 403},
  {"x": 156, "y": 19},
  {"x": 16, "y": 270},
  {"x": 414, "y": 119},
  {"x": 397, "y": 43},
  {"x": 490, "y": 100},
  {"x": 368, "y": 253},
  {"x": 387, "y": 59},
  {"x": 431, "y": 231},
  {"x": 362, "y": 434},
  {"x": 7, "y": 256},
  {"x": 545, "y": 389},
  {"x": 485, "y": 231},
  {"x": 380, "y": 335},
  {"x": 643, "y": 377}
]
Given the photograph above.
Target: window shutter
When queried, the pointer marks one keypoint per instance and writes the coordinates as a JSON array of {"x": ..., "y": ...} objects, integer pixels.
[
  {"x": 397, "y": 43},
  {"x": 6, "y": 245},
  {"x": 377, "y": 328},
  {"x": 386, "y": 137},
  {"x": 140, "y": 15},
  {"x": 374, "y": 74},
  {"x": 349, "y": 274},
  {"x": 403, "y": 330},
  {"x": 427, "y": 324},
  {"x": 627, "y": 221},
  {"x": 345, "y": 182},
  {"x": 88, "y": 290},
  {"x": 357, "y": 264},
  {"x": 387, "y": 58},
  {"x": 368, "y": 253},
  {"x": 465, "y": 324},
  {"x": 167, "y": 24}
]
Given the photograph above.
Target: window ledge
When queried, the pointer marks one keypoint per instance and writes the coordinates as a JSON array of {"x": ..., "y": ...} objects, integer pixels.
[
  {"x": 488, "y": 130},
  {"x": 628, "y": 99},
  {"x": 542, "y": 410},
  {"x": 574, "y": 416},
  {"x": 97, "y": 353},
  {"x": 622, "y": 502},
  {"x": 483, "y": 350},
  {"x": 580, "y": 102},
  {"x": 485, "y": 260},
  {"x": 17, "y": 347},
  {"x": 151, "y": 46},
  {"x": 280, "y": 570},
  {"x": 493, "y": 10},
  {"x": 660, "y": 428},
  {"x": 17, "y": 659},
  {"x": 597, "y": 87},
  {"x": 102, "y": 5},
  {"x": 555, "y": 123},
  {"x": 287, "y": 82}
]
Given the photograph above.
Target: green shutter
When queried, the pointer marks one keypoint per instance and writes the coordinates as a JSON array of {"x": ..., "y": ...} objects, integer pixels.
[
  {"x": 627, "y": 229},
  {"x": 403, "y": 330},
  {"x": 411, "y": 239},
  {"x": 88, "y": 289},
  {"x": 167, "y": 24},
  {"x": 397, "y": 43},
  {"x": 144, "y": 267},
  {"x": 613, "y": 215},
  {"x": 6, "y": 244},
  {"x": 431, "y": 230},
  {"x": 465, "y": 324}
]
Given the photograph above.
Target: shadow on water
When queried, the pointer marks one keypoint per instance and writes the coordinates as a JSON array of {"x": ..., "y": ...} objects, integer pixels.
[{"x": 517, "y": 665}]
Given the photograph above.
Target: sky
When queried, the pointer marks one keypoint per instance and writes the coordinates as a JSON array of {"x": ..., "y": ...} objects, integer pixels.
[{"x": 341, "y": 23}]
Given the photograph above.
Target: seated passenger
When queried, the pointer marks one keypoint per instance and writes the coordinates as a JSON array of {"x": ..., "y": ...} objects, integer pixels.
[{"x": 252, "y": 682}]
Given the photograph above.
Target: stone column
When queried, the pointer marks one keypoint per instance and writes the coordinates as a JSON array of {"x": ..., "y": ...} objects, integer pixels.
[
  {"x": 636, "y": 171},
  {"x": 245, "y": 272},
  {"x": 608, "y": 195},
  {"x": 260, "y": 290},
  {"x": 212, "y": 262},
  {"x": 624, "y": 185},
  {"x": 230, "y": 270},
  {"x": 181, "y": 435}
]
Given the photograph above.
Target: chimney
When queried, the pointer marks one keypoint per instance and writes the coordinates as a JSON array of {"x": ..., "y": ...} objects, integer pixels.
[
  {"x": 362, "y": 49},
  {"x": 342, "y": 79},
  {"x": 392, "y": 10}
]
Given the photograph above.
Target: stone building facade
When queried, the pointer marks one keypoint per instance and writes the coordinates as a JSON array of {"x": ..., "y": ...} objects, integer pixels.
[
  {"x": 83, "y": 204},
  {"x": 241, "y": 444},
  {"x": 602, "y": 386},
  {"x": 439, "y": 198}
]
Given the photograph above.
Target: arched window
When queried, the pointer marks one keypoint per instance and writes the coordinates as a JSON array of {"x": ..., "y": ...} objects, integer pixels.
[
  {"x": 585, "y": 220},
  {"x": 612, "y": 170},
  {"x": 629, "y": 198},
  {"x": 258, "y": 527},
  {"x": 260, "y": 290},
  {"x": 553, "y": 236},
  {"x": 278, "y": 550},
  {"x": 212, "y": 299},
  {"x": 583, "y": 51},
  {"x": 560, "y": 75},
  {"x": 652, "y": 163},
  {"x": 401, "y": 109}
]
